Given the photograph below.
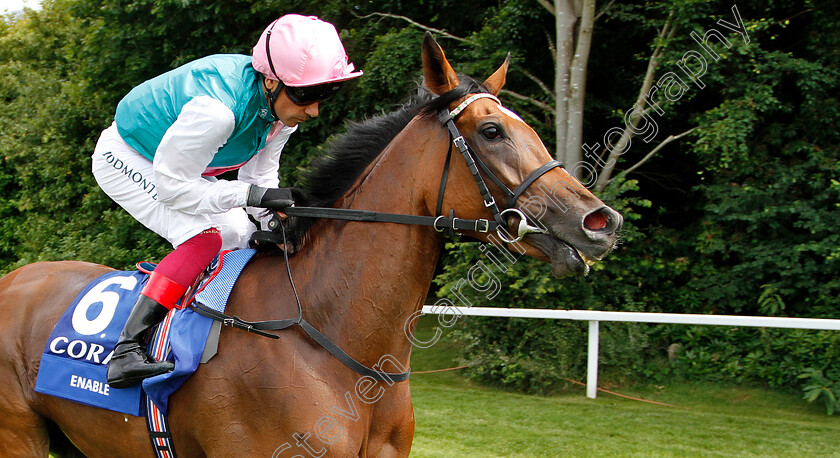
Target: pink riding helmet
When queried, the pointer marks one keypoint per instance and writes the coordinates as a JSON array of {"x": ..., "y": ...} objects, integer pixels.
[{"x": 305, "y": 51}]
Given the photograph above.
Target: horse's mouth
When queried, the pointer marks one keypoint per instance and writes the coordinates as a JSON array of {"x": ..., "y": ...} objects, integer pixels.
[
  {"x": 566, "y": 260},
  {"x": 587, "y": 261}
]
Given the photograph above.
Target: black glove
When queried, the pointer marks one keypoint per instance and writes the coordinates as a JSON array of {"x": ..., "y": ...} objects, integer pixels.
[{"x": 274, "y": 198}]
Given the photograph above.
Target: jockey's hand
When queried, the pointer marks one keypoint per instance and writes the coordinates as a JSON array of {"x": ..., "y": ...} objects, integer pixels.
[{"x": 273, "y": 198}]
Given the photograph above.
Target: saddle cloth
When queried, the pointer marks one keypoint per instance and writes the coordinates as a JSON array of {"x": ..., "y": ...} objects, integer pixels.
[{"x": 75, "y": 360}]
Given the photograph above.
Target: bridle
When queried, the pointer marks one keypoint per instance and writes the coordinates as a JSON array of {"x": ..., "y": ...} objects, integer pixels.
[
  {"x": 439, "y": 223},
  {"x": 447, "y": 118},
  {"x": 442, "y": 223}
]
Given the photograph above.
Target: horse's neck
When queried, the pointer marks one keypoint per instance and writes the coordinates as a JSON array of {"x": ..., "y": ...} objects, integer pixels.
[{"x": 366, "y": 279}]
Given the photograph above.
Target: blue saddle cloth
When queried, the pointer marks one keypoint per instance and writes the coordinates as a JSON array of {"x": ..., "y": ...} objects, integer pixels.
[{"x": 75, "y": 359}]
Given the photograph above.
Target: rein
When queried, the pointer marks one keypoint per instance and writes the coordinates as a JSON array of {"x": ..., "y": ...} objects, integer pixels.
[
  {"x": 439, "y": 223},
  {"x": 261, "y": 328}
]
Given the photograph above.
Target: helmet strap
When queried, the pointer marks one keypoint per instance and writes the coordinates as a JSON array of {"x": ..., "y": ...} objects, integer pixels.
[{"x": 272, "y": 95}]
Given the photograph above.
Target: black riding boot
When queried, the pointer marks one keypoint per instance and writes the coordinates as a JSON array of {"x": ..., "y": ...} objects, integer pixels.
[{"x": 130, "y": 363}]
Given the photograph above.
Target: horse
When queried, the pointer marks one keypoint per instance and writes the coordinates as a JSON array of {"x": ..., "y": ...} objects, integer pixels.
[{"x": 358, "y": 283}]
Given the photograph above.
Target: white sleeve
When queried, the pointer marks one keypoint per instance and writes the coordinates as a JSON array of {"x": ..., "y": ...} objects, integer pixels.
[
  {"x": 263, "y": 169},
  {"x": 202, "y": 127}
]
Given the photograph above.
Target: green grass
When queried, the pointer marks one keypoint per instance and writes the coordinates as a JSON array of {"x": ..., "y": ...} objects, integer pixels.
[{"x": 456, "y": 417}]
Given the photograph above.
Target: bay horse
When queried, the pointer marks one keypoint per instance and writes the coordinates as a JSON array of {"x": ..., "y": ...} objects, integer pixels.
[{"x": 358, "y": 283}]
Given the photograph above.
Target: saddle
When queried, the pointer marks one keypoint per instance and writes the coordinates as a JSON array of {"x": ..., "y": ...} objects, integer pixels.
[{"x": 75, "y": 359}]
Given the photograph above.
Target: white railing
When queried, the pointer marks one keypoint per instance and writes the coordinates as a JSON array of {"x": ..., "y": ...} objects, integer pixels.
[{"x": 595, "y": 317}]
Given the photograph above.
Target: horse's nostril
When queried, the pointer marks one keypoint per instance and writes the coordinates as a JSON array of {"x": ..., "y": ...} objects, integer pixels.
[{"x": 596, "y": 221}]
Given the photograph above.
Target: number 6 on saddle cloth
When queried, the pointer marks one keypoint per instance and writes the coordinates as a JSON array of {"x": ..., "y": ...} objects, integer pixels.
[{"x": 75, "y": 360}]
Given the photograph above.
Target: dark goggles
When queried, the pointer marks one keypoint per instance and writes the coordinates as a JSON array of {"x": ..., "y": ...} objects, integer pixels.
[{"x": 305, "y": 95}]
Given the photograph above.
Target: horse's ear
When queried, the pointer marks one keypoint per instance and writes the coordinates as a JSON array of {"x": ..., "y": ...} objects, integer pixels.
[
  {"x": 438, "y": 75},
  {"x": 497, "y": 79}
]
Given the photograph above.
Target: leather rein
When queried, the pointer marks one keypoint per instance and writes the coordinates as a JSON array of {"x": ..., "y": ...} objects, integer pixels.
[{"x": 440, "y": 223}]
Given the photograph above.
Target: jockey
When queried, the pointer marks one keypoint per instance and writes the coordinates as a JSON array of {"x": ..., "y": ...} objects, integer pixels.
[{"x": 174, "y": 133}]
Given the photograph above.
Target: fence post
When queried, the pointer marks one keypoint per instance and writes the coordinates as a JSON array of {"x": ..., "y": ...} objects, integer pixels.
[{"x": 592, "y": 362}]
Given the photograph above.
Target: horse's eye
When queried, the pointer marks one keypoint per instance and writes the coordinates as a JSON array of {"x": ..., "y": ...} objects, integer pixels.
[{"x": 491, "y": 132}]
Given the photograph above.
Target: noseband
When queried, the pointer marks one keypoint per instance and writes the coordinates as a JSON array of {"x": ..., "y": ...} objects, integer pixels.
[{"x": 474, "y": 162}]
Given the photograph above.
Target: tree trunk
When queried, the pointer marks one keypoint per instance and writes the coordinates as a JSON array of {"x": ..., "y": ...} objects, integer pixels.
[
  {"x": 565, "y": 21},
  {"x": 577, "y": 86}
]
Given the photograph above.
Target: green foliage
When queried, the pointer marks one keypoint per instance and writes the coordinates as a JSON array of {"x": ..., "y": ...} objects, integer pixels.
[
  {"x": 818, "y": 387},
  {"x": 389, "y": 70},
  {"x": 775, "y": 356},
  {"x": 753, "y": 231},
  {"x": 738, "y": 218}
]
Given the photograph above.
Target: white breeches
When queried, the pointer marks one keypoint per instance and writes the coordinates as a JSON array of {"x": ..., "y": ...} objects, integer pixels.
[{"x": 128, "y": 179}]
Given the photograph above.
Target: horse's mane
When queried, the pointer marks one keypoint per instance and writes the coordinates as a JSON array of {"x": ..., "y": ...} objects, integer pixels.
[{"x": 331, "y": 175}]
